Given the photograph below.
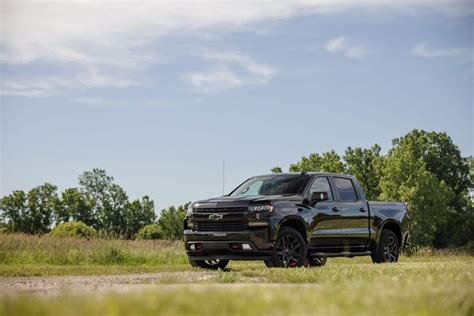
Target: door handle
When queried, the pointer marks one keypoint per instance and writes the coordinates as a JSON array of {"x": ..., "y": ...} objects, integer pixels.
[
  {"x": 335, "y": 209},
  {"x": 363, "y": 210}
]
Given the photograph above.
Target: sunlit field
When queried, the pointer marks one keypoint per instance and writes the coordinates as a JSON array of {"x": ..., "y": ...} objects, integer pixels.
[{"x": 428, "y": 283}]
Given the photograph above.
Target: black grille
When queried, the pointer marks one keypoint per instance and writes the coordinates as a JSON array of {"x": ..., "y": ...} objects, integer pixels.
[
  {"x": 220, "y": 210},
  {"x": 220, "y": 226},
  {"x": 205, "y": 216}
]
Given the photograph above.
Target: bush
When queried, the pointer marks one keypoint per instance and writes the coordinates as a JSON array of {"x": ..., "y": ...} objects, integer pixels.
[
  {"x": 150, "y": 231},
  {"x": 73, "y": 229},
  {"x": 4, "y": 229},
  {"x": 469, "y": 247}
]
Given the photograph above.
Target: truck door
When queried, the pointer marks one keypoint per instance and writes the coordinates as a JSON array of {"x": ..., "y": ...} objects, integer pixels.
[
  {"x": 325, "y": 224},
  {"x": 354, "y": 214}
]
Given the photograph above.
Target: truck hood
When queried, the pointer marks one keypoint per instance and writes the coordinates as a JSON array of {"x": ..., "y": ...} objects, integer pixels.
[{"x": 243, "y": 201}]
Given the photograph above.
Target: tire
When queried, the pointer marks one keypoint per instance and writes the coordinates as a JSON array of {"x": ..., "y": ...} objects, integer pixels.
[
  {"x": 317, "y": 261},
  {"x": 209, "y": 264},
  {"x": 290, "y": 250},
  {"x": 388, "y": 248},
  {"x": 269, "y": 264}
]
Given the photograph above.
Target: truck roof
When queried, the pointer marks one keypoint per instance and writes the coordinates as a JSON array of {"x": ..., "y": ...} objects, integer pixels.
[{"x": 303, "y": 173}]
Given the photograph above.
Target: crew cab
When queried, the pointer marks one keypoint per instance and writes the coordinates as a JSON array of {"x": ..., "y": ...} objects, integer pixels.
[{"x": 294, "y": 220}]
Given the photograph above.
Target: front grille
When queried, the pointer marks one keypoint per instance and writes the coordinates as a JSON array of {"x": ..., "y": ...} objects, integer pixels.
[
  {"x": 234, "y": 216},
  {"x": 220, "y": 226},
  {"x": 220, "y": 210}
]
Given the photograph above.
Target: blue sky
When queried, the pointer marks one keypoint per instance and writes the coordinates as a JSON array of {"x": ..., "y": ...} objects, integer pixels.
[{"x": 160, "y": 93}]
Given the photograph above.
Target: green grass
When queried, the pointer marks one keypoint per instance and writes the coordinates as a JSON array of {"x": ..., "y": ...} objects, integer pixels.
[
  {"x": 440, "y": 287},
  {"x": 18, "y": 249},
  {"x": 429, "y": 283}
]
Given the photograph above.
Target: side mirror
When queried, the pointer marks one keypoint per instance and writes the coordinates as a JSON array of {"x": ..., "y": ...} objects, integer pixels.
[{"x": 319, "y": 197}]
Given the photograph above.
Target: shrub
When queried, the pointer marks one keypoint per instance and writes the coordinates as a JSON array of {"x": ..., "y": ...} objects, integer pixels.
[
  {"x": 74, "y": 229},
  {"x": 469, "y": 247},
  {"x": 4, "y": 229},
  {"x": 150, "y": 231}
]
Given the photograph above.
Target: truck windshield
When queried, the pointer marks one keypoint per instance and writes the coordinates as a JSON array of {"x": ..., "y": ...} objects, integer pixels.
[{"x": 272, "y": 185}]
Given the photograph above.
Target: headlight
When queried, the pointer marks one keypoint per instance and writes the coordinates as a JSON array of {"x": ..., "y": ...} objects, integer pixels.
[{"x": 259, "y": 208}]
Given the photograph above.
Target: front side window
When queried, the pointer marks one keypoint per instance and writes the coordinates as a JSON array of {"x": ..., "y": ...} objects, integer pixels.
[
  {"x": 272, "y": 185},
  {"x": 345, "y": 189},
  {"x": 321, "y": 184}
]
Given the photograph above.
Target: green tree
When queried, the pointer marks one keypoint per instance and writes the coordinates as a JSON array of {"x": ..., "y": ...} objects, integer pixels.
[
  {"x": 15, "y": 213},
  {"x": 276, "y": 170},
  {"x": 366, "y": 164},
  {"x": 327, "y": 162},
  {"x": 470, "y": 160},
  {"x": 442, "y": 158},
  {"x": 95, "y": 185},
  {"x": 139, "y": 214},
  {"x": 171, "y": 221},
  {"x": 42, "y": 202},
  {"x": 111, "y": 215},
  {"x": 406, "y": 178},
  {"x": 74, "y": 206}
]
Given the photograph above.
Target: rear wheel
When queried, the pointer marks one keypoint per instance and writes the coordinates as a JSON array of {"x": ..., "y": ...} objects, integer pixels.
[
  {"x": 388, "y": 248},
  {"x": 209, "y": 264},
  {"x": 290, "y": 249}
]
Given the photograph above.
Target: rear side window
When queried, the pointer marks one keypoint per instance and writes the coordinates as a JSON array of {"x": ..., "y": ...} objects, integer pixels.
[
  {"x": 346, "y": 189},
  {"x": 321, "y": 185}
]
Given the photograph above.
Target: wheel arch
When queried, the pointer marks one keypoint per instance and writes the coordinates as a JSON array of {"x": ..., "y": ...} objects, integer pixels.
[
  {"x": 393, "y": 226},
  {"x": 296, "y": 223}
]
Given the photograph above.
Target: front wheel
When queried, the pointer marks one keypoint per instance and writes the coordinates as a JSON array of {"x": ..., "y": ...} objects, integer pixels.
[
  {"x": 388, "y": 248},
  {"x": 209, "y": 264},
  {"x": 290, "y": 249}
]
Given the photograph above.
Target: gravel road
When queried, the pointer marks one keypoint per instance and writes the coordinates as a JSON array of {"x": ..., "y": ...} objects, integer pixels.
[{"x": 53, "y": 285}]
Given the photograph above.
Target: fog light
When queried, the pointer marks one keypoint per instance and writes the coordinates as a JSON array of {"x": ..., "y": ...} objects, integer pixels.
[
  {"x": 246, "y": 247},
  {"x": 192, "y": 247}
]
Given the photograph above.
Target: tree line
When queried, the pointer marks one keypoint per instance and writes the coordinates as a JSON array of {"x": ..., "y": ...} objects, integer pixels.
[
  {"x": 424, "y": 169},
  {"x": 98, "y": 202}
]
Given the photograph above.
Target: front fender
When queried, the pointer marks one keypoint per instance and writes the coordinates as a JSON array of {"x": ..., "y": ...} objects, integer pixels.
[{"x": 295, "y": 221}]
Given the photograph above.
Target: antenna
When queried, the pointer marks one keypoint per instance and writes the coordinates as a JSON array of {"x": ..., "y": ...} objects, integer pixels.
[{"x": 223, "y": 177}]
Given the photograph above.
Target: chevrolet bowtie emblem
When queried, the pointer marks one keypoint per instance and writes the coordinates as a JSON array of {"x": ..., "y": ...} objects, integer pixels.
[{"x": 215, "y": 217}]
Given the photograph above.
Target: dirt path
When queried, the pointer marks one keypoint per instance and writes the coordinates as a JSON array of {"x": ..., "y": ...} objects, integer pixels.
[{"x": 52, "y": 285}]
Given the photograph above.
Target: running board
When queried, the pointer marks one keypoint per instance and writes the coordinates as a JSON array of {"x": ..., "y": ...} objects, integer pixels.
[{"x": 340, "y": 254}]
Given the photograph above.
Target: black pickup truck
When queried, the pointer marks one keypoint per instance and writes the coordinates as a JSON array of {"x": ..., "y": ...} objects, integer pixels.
[{"x": 293, "y": 220}]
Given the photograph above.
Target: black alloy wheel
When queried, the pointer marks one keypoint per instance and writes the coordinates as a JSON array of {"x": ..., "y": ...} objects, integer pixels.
[
  {"x": 290, "y": 249},
  {"x": 388, "y": 248}
]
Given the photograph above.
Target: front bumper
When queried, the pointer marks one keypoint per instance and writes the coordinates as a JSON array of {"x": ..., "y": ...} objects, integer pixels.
[{"x": 221, "y": 245}]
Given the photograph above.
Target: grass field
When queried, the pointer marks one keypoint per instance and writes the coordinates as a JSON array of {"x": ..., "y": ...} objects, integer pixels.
[{"x": 424, "y": 284}]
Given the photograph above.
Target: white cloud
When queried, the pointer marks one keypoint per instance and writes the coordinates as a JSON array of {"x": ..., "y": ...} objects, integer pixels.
[
  {"x": 424, "y": 50},
  {"x": 357, "y": 52},
  {"x": 110, "y": 35},
  {"x": 58, "y": 85},
  {"x": 42, "y": 29},
  {"x": 336, "y": 44},
  {"x": 343, "y": 45},
  {"x": 262, "y": 72},
  {"x": 27, "y": 89},
  {"x": 214, "y": 80},
  {"x": 232, "y": 70},
  {"x": 89, "y": 100}
]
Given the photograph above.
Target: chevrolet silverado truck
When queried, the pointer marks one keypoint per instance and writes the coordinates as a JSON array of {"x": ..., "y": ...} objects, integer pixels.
[{"x": 293, "y": 220}]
